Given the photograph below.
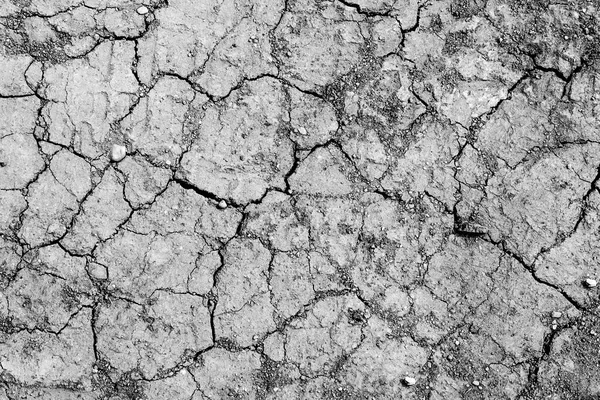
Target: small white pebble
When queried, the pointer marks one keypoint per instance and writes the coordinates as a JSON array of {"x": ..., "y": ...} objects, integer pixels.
[
  {"x": 475, "y": 383},
  {"x": 118, "y": 152},
  {"x": 409, "y": 381},
  {"x": 222, "y": 204},
  {"x": 591, "y": 283},
  {"x": 143, "y": 10},
  {"x": 302, "y": 131},
  {"x": 556, "y": 314}
]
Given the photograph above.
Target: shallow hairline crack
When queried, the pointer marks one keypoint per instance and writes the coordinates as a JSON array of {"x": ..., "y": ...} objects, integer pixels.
[{"x": 531, "y": 269}]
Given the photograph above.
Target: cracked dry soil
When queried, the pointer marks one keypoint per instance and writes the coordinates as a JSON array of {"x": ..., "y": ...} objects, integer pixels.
[{"x": 299, "y": 199}]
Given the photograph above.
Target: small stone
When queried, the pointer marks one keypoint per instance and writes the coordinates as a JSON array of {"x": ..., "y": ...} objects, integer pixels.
[
  {"x": 475, "y": 383},
  {"x": 143, "y": 10},
  {"x": 556, "y": 314},
  {"x": 222, "y": 204},
  {"x": 591, "y": 283},
  {"x": 98, "y": 271},
  {"x": 302, "y": 131},
  {"x": 118, "y": 152},
  {"x": 409, "y": 381}
]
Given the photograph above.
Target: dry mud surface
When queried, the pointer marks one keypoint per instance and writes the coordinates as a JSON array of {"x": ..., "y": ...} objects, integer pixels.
[{"x": 299, "y": 199}]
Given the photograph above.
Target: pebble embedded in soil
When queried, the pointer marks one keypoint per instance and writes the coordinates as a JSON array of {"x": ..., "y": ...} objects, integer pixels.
[
  {"x": 98, "y": 271},
  {"x": 409, "y": 381},
  {"x": 143, "y": 10},
  {"x": 118, "y": 152},
  {"x": 222, "y": 204},
  {"x": 591, "y": 283},
  {"x": 556, "y": 314}
]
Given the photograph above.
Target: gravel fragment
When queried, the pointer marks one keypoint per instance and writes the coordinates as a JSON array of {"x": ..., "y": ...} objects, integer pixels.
[
  {"x": 143, "y": 10},
  {"x": 591, "y": 283},
  {"x": 98, "y": 271},
  {"x": 409, "y": 381},
  {"x": 118, "y": 152}
]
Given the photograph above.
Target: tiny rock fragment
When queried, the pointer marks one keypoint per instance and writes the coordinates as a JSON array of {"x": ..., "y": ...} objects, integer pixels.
[
  {"x": 409, "y": 381},
  {"x": 591, "y": 283},
  {"x": 475, "y": 383},
  {"x": 143, "y": 10},
  {"x": 556, "y": 314},
  {"x": 118, "y": 152},
  {"x": 98, "y": 271},
  {"x": 222, "y": 204}
]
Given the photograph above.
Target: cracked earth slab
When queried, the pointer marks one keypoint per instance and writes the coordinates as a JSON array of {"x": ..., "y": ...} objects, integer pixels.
[{"x": 299, "y": 199}]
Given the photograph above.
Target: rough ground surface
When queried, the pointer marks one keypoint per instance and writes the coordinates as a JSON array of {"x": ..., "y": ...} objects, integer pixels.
[{"x": 315, "y": 199}]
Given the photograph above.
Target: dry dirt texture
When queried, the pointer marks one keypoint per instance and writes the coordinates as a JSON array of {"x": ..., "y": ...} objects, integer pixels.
[{"x": 299, "y": 199}]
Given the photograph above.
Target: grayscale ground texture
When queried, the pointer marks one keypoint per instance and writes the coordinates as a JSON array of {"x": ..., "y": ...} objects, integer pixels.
[{"x": 299, "y": 199}]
